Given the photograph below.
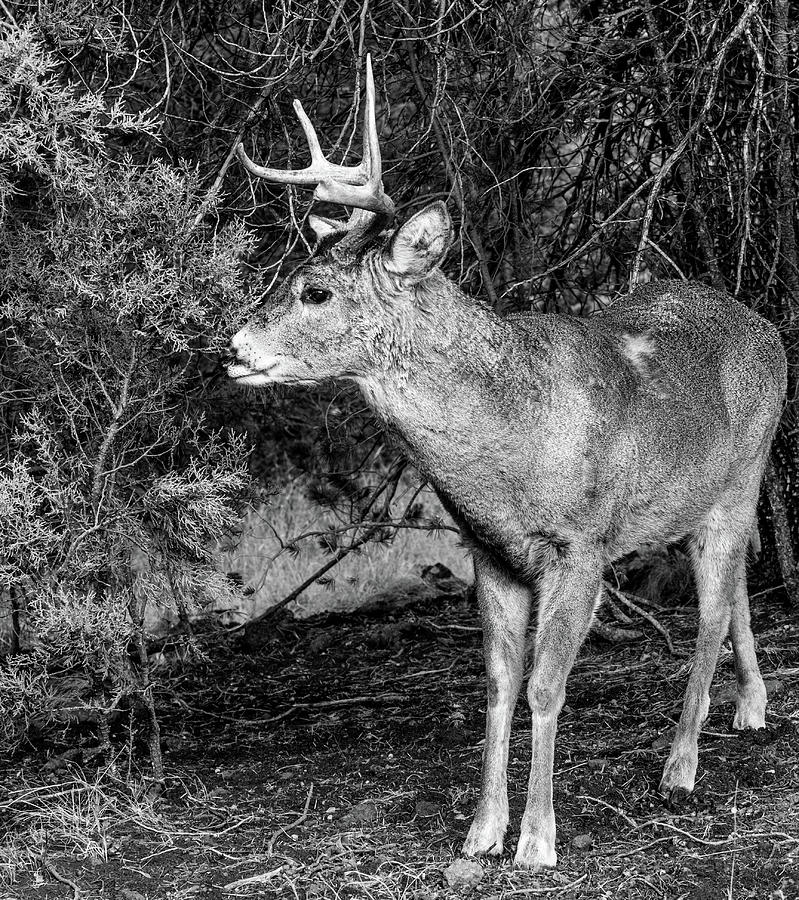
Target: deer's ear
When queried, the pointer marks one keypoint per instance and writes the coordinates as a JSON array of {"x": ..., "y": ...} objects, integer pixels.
[
  {"x": 420, "y": 244},
  {"x": 322, "y": 226}
]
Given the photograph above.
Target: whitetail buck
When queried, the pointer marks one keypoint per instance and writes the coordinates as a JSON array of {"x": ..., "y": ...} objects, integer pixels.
[{"x": 558, "y": 444}]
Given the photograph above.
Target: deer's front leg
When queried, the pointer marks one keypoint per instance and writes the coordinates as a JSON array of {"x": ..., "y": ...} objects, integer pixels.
[
  {"x": 505, "y": 610},
  {"x": 567, "y": 601}
]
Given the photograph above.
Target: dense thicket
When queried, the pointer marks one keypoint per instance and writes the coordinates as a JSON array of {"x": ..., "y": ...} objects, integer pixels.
[{"x": 581, "y": 146}]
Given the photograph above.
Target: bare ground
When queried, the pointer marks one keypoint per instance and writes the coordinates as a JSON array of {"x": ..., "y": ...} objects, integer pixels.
[{"x": 341, "y": 759}]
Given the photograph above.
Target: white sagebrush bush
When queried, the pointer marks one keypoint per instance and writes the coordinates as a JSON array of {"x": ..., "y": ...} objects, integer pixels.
[{"x": 109, "y": 290}]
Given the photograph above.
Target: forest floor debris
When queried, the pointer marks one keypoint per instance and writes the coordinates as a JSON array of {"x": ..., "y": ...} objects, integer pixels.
[{"x": 348, "y": 768}]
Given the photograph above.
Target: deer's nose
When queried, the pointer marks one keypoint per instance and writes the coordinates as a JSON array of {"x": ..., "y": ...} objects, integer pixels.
[
  {"x": 239, "y": 349},
  {"x": 238, "y": 342},
  {"x": 234, "y": 353}
]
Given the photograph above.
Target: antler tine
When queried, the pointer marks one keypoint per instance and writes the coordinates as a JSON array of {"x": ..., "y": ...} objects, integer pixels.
[
  {"x": 320, "y": 169},
  {"x": 371, "y": 145},
  {"x": 359, "y": 187},
  {"x": 317, "y": 157},
  {"x": 369, "y": 196}
]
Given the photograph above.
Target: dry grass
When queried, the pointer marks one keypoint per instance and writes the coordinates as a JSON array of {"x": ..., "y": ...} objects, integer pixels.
[
  {"x": 271, "y": 570},
  {"x": 82, "y": 818}
]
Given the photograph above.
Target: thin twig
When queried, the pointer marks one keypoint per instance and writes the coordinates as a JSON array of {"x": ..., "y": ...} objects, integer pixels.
[
  {"x": 298, "y": 821},
  {"x": 644, "y": 615},
  {"x": 330, "y": 704},
  {"x": 557, "y": 891},
  {"x": 253, "y": 879},
  {"x": 77, "y": 891},
  {"x": 619, "y": 812}
]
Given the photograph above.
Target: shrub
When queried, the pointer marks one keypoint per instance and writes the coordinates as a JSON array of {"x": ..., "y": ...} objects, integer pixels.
[{"x": 109, "y": 290}]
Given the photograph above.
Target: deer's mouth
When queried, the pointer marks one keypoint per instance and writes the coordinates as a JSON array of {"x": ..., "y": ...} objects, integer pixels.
[
  {"x": 244, "y": 374},
  {"x": 273, "y": 373}
]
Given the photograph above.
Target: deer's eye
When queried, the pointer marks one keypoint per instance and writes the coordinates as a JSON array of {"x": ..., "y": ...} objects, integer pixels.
[{"x": 315, "y": 295}]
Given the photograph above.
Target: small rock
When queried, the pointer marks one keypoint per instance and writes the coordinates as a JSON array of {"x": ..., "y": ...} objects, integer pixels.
[
  {"x": 439, "y": 577},
  {"x": 463, "y": 874},
  {"x": 582, "y": 842},
  {"x": 426, "y": 809},
  {"x": 321, "y": 642},
  {"x": 130, "y": 894},
  {"x": 388, "y": 635},
  {"x": 360, "y": 814}
]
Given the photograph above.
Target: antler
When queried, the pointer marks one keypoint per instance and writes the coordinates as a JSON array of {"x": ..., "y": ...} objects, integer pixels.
[{"x": 360, "y": 187}]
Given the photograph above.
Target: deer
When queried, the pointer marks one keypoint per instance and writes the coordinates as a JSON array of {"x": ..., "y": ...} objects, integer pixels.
[{"x": 558, "y": 443}]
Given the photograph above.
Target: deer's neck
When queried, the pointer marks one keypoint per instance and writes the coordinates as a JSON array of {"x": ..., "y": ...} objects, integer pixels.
[{"x": 463, "y": 376}]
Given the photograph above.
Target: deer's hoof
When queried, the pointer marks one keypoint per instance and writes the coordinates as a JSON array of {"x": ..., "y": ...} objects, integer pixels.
[
  {"x": 748, "y": 720},
  {"x": 750, "y": 710},
  {"x": 485, "y": 837},
  {"x": 535, "y": 852},
  {"x": 678, "y": 779}
]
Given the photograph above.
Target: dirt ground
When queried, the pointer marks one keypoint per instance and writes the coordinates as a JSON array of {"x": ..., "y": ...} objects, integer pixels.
[{"x": 341, "y": 758}]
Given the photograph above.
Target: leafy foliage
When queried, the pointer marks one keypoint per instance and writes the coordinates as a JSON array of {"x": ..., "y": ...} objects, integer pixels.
[{"x": 110, "y": 289}]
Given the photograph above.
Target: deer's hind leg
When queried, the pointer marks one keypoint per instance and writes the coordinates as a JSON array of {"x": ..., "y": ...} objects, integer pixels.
[
  {"x": 718, "y": 552},
  {"x": 750, "y": 707},
  {"x": 505, "y": 611}
]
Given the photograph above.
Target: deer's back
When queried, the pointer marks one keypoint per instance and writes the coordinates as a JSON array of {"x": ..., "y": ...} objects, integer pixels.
[
  {"x": 697, "y": 327},
  {"x": 686, "y": 343}
]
